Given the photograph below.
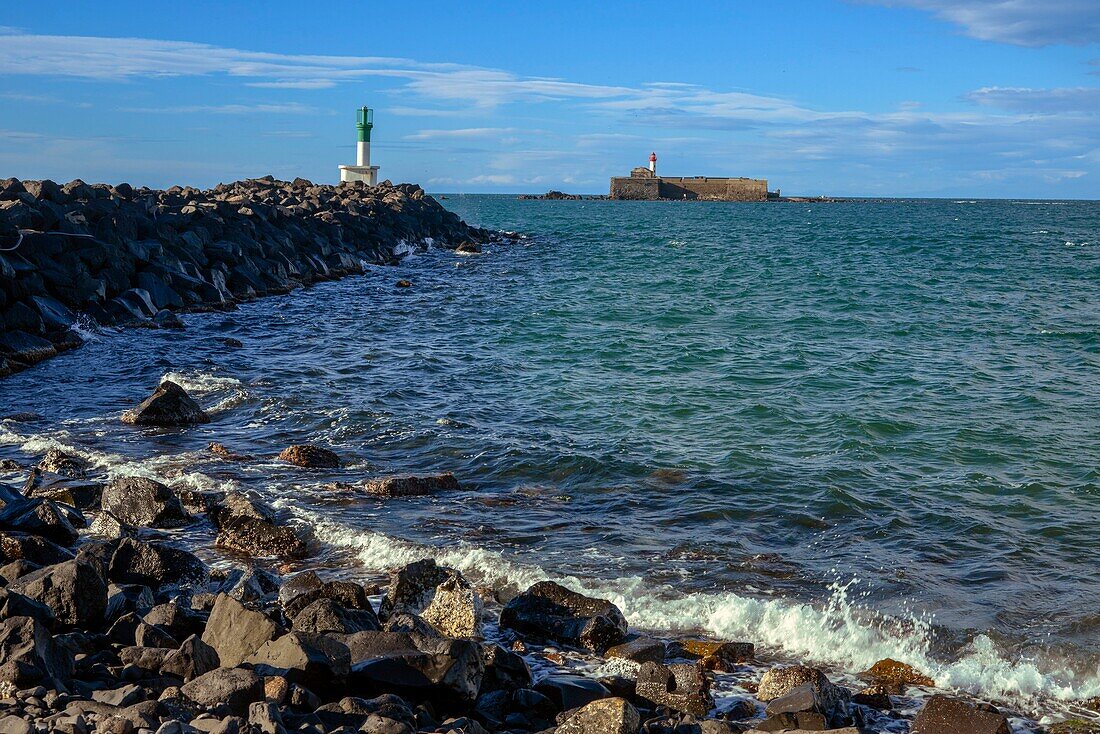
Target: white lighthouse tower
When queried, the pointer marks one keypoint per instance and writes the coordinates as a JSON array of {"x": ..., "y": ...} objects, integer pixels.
[
  {"x": 362, "y": 170},
  {"x": 653, "y": 163}
]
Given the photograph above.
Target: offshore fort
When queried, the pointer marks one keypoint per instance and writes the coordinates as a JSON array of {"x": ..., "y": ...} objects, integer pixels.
[{"x": 644, "y": 184}]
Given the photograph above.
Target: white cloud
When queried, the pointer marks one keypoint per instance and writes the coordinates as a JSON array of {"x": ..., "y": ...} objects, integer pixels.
[
  {"x": 286, "y": 108},
  {"x": 1041, "y": 101},
  {"x": 1019, "y": 22},
  {"x": 467, "y": 133}
]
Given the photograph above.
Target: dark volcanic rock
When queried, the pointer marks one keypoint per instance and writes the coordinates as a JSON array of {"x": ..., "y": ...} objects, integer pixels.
[
  {"x": 832, "y": 699},
  {"x": 58, "y": 462},
  {"x": 169, "y": 405},
  {"x": 310, "y": 457},
  {"x": 439, "y": 595},
  {"x": 327, "y": 615},
  {"x": 74, "y": 590},
  {"x": 237, "y": 688},
  {"x": 250, "y": 526},
  {"x": 607, "y": 716},
  {"x": 315, "y": 662},
  {"x": 411, "y": 486},
  {"x": 143, "y": 502},
  {"x": 20, "y": 546},
  {"x": 235, "y": 631},
  {"x": 947, "y": 715},
  {"x": 154, "y": 565},
  {"x": 680, "y": 687},
  {"x": 450, "y": 670},
  {"x": 552, "y": 612},
  {"x": 29, "y": 655},
  {"x": 193, "y": 659},
  {"x": 40, "y": 517}
]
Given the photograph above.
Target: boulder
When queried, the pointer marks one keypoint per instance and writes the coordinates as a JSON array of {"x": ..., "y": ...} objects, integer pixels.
[
  {"x": 947, "y": 715},
  {"x": 236, "y": 632},
  {"x": 681, "y": 687},
  {"x": 143, "y": 502},
  {"x": 303, "y": 592},
  {"x": 450, "y": 670},
  {"x": 326, "y": 615},
  {"x": 237, "y": 688},
  {"x": 720, "y": 656},
  {"x": 312, "y": 661},
  {"x": 640, "y": 650},
  {"x": 40, "y": 517},
  {"x": 439, "y": 595},
  {"x": 567, "y": 691},
  {"x": 57, "y": 461},
  {"x": 779, "y": 681},
  {"x": 504, "y": 670},
  {"x": 110, "y": 527},
  {"x": 74, "y": 590},
  {"x": 411, "y": 486},
  {"x": 310, "y": 457},
  {"x": 154, "y": 565},
  {"x": 552, "y": 612},
  {"x": 894, "y": 673},
  {"x": 169, "y": 405},
  {"x": 250, "y": 526},
  {"x": 32, "y": 548},
  {"x": 178, "y": 621},
  {"x": 606, "y": 716},
  {"x": 80, "y": 493},
  {"x": 192, "y": 659},
  {"x": 30, "y": 655}
]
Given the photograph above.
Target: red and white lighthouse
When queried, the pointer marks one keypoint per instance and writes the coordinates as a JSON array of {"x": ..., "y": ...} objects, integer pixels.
[{"x": 653, "y": 163}]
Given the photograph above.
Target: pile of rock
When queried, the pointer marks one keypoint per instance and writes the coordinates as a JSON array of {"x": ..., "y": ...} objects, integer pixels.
[{"x": 121, "y": 255}]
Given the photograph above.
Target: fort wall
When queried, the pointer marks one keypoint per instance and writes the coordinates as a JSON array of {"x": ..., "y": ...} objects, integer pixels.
[{"x": 651, "y": 187}]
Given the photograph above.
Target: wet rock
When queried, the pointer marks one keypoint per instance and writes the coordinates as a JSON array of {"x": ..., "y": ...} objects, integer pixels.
[
  {"x": 721, "y": 656},
  {"x": 169, "y": 405},
  {"x": 310, "y": 456},
  {"x": 40, "y": 517},
  {"x": 469, "y": 248},
  {"x": 800, "y": 708},
  {"x": 109, "y": 526},
  {"x": 154, "y": 565},
  {"x": 892, "y": 672},
  {"x": 237, "y": 688},
  {"x": 35, "y": 549},
  {"x": 639, "y": 650},
  {"x": 236, "y": 632},
  {"x": 252, "y": 585},
  {"x": 165, "y": 319},
  {"x": 404, "y": 283},
  {"x": 550, "y": 611},
  {"x": 80, "y": 493},
  {"x": 607, "y": 716},
  {"x": 143, "y": 502},
  {"x": 504, "y": 670},
  {"x": 59, "y": 462},
  {"x": 311, "y": 661},
  {"x": 250, "y": 526},
  {"x": 221, "y": 451},
  {"x": 29, "y": 654},
  {"x": 439, "y": 595},
  {"x": 876, "y": 697},
  {"x": 412, "y": 486},
  {"x": 567, "y": 691},
  {"x": 947, "y": 715},
  {"x": 74, "y": 590},
  {"x": 327, "y": 615},
  {"x": 779, "y": 681},
  {"x": 681, "y": 687}
]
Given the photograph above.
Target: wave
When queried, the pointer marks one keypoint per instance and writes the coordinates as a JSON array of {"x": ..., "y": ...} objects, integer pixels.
[
  {"x": 839, "y": 634},
  {"x": 201, "y": 382}
]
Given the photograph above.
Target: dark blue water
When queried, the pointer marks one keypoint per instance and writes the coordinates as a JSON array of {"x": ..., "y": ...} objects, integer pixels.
[{"x": 841, "y": 431}]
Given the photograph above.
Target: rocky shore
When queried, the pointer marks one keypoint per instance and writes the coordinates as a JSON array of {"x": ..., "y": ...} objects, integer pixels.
[
  {"x": 110, "y": 622},
  {"x": 124, "y": 255}
]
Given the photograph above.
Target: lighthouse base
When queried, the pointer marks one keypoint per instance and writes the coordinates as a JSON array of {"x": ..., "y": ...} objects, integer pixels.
[{"x": 369, "y": 174}]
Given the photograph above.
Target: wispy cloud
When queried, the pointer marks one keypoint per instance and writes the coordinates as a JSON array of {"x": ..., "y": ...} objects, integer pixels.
[
  {"x": 1019, "y": 22},
  {"x": 467, "y": 133},
  {"x": 1041, "y": 101},
  {"x": 286, "y": 108}
]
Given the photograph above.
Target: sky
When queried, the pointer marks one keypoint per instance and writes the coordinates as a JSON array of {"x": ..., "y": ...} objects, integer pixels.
[{"x": 951, "y": 98}]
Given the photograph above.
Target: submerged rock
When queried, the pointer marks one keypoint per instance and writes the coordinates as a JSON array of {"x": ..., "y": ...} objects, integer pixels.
[
  {"x": 550, "y": 611},
  {"x": 250, "y": 526},
  {"x": 892, "y": 672},
  {"x": 169, "y": 405},
  {"x": 411, "y": 486},
  {"x": 310, "y": 457}
]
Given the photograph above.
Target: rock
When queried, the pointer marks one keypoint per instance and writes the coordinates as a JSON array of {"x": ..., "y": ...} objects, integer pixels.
[
  {"x": 169, "y": 405},
  {"x": 29, "y": 654},
  {"x": 550, "y": 611},
  {"x": 58, "y": 462},
  {"x": 327, "y": 615},
  {"x": 607, "y": 716},
  {"x": 109, "y": 526},
  {"x": 26, "y": 348},
  {"x": 80, "y": 493},
  {"x": 504, "y": 670},
  {"x": 387, "y": 662},
  {"x": 74, "y": 590},
  {"x": 947, "y": 715},
  {"x": 640, "y": 650},
  {"x": 721, "y": 656},
  {"x": 310, "y": 457},
  {"x": 404, "y": 283},
  {"x": 255, "y": 584},
  {"x": 154, "y": 565},
  {"x": 800, "y": 708},
  {"x": 469, "y": 248},
  {"x": 681, "y": 687},
  {"x": 892, "y": 672},
  {"x": 237, "y": 632},
  {"x": 779, "y": 681},
  {"x": 249, "y": 526},
  {"x": 40, "y": 517},
  {"x": 439, "y": 595},
  {"x": 876, "y": 697},
  {"x": 568, "y": 691},
  {"x": 143, "y": 502},
  {"x": 411, "y": 486},
  {"x": 264, "y": 718},
  {"x": 312, "y": 661},
  {"x": 237, "y": 688},
  {"x": 192, "y": 659},
  {"x": 16, "y": 570},
  {"x": 221, "y": 451},
  {"x": 124, "y": 696},
  {"x": 32, "y": 548},
  {"x": 178, "y": 621}
]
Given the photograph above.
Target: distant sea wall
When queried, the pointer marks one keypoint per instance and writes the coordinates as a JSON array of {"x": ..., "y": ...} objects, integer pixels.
[
  {"x": 646, "y": 187},
  {"x": 119, "y": 254}
]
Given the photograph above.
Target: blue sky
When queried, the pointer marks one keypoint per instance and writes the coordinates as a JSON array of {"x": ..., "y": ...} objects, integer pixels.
[{"x": 990, "y": 98}]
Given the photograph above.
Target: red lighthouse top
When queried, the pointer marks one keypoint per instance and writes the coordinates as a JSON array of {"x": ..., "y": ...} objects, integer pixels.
[{"x": 653, "y": 157}]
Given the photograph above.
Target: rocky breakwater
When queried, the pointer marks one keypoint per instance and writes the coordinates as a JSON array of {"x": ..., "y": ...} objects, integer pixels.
[{"x": 124, "y": 255}]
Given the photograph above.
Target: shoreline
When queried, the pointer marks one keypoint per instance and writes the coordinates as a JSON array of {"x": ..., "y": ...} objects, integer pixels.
[{"x": 134, "y": 257}]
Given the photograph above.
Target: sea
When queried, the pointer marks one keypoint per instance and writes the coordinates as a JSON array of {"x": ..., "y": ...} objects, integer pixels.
[{"x": 841, "y": 431}]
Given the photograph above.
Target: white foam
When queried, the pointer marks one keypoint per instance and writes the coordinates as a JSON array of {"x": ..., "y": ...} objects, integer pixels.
[
  {"x": 201, "y": 382},
  {"x": 838, "y": 634}
]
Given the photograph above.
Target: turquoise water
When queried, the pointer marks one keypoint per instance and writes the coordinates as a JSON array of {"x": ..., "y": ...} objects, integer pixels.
[{"x": 841, "y": 431}]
